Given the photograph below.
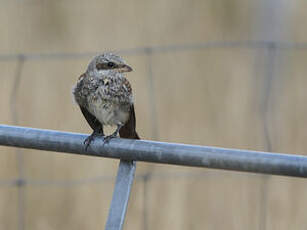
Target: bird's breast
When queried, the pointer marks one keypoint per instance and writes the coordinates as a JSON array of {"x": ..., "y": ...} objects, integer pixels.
[
  {"x": 108, "y": 98},
  {"x": 108, "y": 112}
]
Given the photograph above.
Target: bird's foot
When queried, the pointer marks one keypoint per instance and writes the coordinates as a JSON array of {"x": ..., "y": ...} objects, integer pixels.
[
  {"x": 113, "y": 135},
  {"x": 108, "y": 138},
  {"x": 90, "y": 138}
]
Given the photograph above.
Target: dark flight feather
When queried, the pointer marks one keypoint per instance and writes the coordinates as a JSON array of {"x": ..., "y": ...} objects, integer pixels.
[
  {"x": 128, "y": 130},
  {"x": 92, "y": 121}
]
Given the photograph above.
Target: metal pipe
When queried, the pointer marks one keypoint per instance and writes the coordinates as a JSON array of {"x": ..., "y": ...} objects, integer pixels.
[
  {"x": 157, "y": 152},
  {"x": 121, "y": 194}
]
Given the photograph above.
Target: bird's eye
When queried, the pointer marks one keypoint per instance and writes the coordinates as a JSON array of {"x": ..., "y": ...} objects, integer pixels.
[
  {"x": 99, "y": 66},
  {"x": 111, "y": 64}
]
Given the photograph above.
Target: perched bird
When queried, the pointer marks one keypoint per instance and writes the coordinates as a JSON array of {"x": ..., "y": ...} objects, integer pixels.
[{"x": 105, "y": 97}]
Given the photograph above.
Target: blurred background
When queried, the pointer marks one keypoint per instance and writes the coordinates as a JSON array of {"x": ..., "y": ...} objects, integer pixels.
[{"x": 228, "y": 73}]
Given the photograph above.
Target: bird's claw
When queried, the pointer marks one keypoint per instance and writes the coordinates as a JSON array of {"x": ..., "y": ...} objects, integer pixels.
[
  {"x": 108, "y": 138},
  {"x": 89, "y": 140}
]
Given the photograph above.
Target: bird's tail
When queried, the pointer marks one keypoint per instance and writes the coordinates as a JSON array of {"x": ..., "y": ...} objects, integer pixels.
[{"x": 128, "y": 130}]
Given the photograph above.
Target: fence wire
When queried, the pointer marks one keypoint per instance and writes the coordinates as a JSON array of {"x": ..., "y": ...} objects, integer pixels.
[
  {"x": 271, "y": 47},
  {"x": 161, "y": 49}
]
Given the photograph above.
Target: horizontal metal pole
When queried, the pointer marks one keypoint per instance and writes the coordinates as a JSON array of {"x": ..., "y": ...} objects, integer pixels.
[{"x": 157, "y": 152}]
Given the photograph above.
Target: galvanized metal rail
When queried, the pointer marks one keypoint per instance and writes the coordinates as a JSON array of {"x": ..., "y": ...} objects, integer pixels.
[
  {"x": 121, "y": 194},
  {"x": 130, "y": 151}
]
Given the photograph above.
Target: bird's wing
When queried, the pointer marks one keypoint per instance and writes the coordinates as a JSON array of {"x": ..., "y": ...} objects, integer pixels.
[
  {"x": 128, "y": 130},
  {"x": 126, "y": 85},
  {"x": 91, "y": 120}
]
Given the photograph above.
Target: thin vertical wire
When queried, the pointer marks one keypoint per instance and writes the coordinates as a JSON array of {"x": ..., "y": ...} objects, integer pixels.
[
  {"x": 271, "y": 25},
  {"x": 155, "y": 130},
  {"x": 20, "y": 160},
  {"x": 152, "y": 96},
  {"x": 266, "y": 117},
  {"x": 267, "y": 96},
  {"x": 13, "y": 97}
]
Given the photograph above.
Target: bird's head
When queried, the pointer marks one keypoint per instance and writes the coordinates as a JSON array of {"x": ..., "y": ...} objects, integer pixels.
[{"x": 103, "y": 63}]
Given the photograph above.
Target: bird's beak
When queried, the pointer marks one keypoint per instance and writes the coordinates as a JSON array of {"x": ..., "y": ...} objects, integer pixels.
[{"x": 125, "y": 68}]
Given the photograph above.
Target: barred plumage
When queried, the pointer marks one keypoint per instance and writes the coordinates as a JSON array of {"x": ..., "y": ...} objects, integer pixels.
[{"x": 104, "y": 94}]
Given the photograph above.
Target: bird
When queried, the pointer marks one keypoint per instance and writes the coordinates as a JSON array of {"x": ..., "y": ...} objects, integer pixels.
[{"x": 104, "y": 96}]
